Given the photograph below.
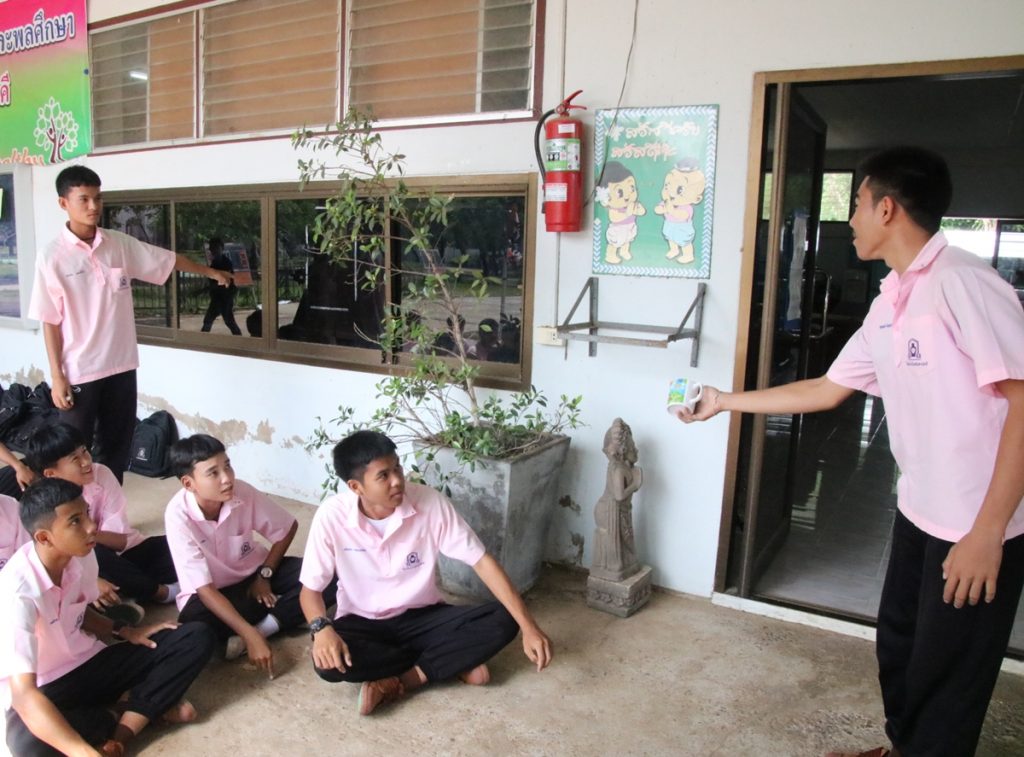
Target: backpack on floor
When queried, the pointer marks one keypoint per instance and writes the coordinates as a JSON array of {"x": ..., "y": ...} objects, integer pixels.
[
  {"x": 38, "y": 412},
  {"x": 151, "y": 444},
  {"x": 13, "y": 408}
]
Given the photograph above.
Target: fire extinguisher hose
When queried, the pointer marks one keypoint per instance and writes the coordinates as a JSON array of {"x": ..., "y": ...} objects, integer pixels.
[{"x": 536, "y": 143}]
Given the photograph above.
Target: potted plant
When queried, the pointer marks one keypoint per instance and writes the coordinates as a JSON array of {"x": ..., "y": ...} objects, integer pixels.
[{"x": 498, "y": 458}]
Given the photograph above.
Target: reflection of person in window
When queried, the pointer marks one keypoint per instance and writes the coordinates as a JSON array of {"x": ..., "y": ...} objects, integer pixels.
[{"x": 222, "y": 299}]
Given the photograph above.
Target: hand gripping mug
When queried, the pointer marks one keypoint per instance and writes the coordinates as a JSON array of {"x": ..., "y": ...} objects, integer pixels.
[{"x": 684, "y": 392}]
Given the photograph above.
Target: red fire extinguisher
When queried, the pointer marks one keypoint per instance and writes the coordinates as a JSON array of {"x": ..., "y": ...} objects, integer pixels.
[{"x": 560, "y": 166}]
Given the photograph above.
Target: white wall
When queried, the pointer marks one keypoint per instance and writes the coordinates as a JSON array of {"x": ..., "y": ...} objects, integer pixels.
[{"x": 686, "y": 52}]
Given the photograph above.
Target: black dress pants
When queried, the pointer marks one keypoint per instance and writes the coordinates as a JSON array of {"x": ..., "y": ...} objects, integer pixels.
[
  {"x": 138, "y": 572},
  {"x": 155, "y": 679},
  {"x": 443, "y": 640},
  {"x": 104, "y": 413},
  {"x": 937, "y": 665}
]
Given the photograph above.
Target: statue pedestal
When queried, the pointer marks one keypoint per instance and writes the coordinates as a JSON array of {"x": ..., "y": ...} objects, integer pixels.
[{"x": 622, "y": 598}]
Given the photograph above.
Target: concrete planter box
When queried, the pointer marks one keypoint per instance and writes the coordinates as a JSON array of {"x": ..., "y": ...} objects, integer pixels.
[{"x": 509, "y": 503}]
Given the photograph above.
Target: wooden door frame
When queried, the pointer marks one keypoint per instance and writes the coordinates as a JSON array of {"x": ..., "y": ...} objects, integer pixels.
[{"x": 763, "y": 80}]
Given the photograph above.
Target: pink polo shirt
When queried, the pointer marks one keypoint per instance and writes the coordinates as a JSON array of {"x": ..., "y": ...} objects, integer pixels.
[
  {"x": 41, "y": 625},
  {"x": 108, "y": 506},
  {"x": 86, "y": 290},
  {"x": 381, "y": 576},
  {"x": 933, "y": 344},
  {"x": 225, "y": 551},
  {"x": 12, "y": 533}
]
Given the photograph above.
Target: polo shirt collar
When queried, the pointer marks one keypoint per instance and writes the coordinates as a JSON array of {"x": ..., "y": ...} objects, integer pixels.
[
  {"x": 195, "y": 512},
  {"x": 891, "y": 283},
  {"x": 70, "y": 240},
  {"x": 349, "y": 501},
  {"x": 72, "y": 571}
]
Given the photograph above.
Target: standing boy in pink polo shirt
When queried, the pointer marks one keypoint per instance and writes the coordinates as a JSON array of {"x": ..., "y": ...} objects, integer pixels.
[
  {"x": 392, "y": 631},
  {"x": 229, "y": 578},
  {"x": 58, "y": 681},
  {"x": 943, "y": 346},
  {"x": 83, "y": 296},
  {"x": 140, "y": 567}
]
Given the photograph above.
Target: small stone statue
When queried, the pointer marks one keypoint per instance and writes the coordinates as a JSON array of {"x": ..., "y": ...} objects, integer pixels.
[
  {"x": 618, "y": 583},
  {"x": 614, "y": 545}
]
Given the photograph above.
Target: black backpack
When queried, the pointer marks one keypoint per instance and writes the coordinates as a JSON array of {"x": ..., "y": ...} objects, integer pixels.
[
  {"x": 37, "y": 412},
  {"x": 13, "y": 408},
  {"x": 151, "y": 444}
]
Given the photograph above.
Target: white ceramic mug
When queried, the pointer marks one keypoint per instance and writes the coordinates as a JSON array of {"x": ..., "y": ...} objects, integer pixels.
[{"x": 684, "y": 392}]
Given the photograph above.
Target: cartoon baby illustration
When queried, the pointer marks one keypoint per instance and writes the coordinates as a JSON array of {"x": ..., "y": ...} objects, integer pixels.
[
  {"x": 684, "y": 188},
  {"x": 618, "y": 193}
]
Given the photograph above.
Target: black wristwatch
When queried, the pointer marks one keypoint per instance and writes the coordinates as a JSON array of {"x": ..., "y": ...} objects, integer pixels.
[
  {"x": 266, "y": 572},
  {"x": 316, "y": 625},
  {"x": 115, "y": 631}
]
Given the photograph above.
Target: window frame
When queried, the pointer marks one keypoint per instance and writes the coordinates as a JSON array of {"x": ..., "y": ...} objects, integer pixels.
[
  {"x": 512, "y": 376},
  {"x": 199, "y": 135}
]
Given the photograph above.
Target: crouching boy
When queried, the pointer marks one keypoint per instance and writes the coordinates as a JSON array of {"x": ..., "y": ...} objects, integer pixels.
[
  {"x": 229, "y": 579},
  {"x": 392, "y": 632},
  {"x": 57, "y": 679}
]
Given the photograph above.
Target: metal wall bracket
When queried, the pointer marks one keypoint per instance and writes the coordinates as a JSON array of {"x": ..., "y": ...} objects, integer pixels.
[{"x": 570, "y": 330}]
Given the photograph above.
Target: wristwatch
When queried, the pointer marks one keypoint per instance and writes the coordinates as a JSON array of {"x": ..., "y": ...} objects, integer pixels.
[
  {"x": 266, "y": 572},
  {"x": 316, "y": 625}
]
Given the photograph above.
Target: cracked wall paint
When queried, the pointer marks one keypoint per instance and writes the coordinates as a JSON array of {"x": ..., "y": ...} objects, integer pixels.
[
  {"x": 229, "y": 431},
  {"x": 29, "y": 377},
  {"x": 568, "y": 504}
]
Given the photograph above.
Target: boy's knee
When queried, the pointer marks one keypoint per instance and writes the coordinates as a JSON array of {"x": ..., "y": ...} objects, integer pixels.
[
  {"x": 198, "y": 638},
  {"x": 505, "y": 623}
]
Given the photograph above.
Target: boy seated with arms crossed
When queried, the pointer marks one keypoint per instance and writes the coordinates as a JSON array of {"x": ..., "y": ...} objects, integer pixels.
[
  {"x": 137, "y": 566},
  {"x": 229, "y": 579},
  {"x": 57, "y": 679},
  {"x": 392, "y": 631}
]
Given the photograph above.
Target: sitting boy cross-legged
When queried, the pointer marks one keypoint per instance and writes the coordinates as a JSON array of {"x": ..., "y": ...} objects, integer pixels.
[
  {"x": 57, "y": 679},
  {"x": 229, "y": 579},
  {"x": 392, "y": 632}
]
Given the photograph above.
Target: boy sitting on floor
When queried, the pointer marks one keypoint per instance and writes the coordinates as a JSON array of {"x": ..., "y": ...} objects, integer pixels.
[
  {"x": 57, "y": 679},
  {"x": 229, "y": 579},
  {"x": 392, "y": 631},
  {"x": 139, "y": 567}
]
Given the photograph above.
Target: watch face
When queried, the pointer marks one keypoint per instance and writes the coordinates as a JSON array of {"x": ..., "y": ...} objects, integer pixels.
[{"x": 266, "y": 572}]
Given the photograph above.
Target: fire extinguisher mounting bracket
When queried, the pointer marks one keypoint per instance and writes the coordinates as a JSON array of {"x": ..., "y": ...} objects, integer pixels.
[{"x": 590, "y": 330}]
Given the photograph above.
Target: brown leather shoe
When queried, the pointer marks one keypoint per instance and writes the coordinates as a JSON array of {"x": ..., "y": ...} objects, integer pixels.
[{"x": 375, "y": 693}]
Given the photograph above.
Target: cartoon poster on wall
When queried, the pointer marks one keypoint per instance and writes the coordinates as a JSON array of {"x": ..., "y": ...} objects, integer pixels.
[
  {"x": 44, "y": 81},
  {"x": 655, "y": 176}
]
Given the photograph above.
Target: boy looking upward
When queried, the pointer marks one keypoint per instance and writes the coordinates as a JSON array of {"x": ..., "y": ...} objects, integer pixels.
[
  {"x": 139, "y": 567},
  {"x": 392, "y": 632},
  {"x": 943, "y": 346},
  {"x": 82, "y": 294},
  {"x": 229, "y": 579},
  {"x": 57, "y": 679}
]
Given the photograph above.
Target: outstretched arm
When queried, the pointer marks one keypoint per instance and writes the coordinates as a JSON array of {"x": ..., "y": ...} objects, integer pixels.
[
  {"x": 536, "y": 644},
  {"x": 186, "y": 265},
  {"x": 973, "y": 562},
  {"x": 807, "y": 396}
]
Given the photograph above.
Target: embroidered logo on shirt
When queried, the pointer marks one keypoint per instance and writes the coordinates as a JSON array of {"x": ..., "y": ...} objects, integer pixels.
[
  {"x": 914, "y": 356},
  {"x": 412, "y": 560},
  {"x": 122, "y": 283},
  {"x": 246, "y": 548}
]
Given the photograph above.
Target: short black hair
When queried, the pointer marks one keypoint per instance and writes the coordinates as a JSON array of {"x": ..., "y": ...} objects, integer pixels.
[
  {"x": 614, "y": 172},
  {"x": 48, "y": 444},
  {"x": 356, "y": 451},
  {"x": 188, "y": 452},
  {"x": 915, "y": 178},
  {"x": 216, "y": 242},
  {"x": 42, "y": 498},
  {"x": 76, "y": 176}
]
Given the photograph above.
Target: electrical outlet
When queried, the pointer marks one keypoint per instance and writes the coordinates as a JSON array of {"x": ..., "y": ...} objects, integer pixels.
[{"x": 548, "y": 335}]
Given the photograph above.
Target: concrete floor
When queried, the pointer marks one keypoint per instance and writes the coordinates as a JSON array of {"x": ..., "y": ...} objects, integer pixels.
[{"x": 682, "y": 677}]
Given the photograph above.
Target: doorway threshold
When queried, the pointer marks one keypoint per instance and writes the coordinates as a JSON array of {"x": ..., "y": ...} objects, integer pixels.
[{"x": 825, "y": 623}]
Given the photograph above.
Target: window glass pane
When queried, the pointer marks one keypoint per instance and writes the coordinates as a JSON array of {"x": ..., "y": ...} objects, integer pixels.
[
  {"x": 976, "y": 235},
  {"x": 9, "y": 298},
  {"x": 150, "y": 224},
  {"x": 224, "y": 235},
  {"x": 488, "y": 233},
  {"x": 836, "y": 194},
  {"x": 320, "y": 301},
  {"x": 270, "y": 64},
  {"x": 143, "y": 81}
]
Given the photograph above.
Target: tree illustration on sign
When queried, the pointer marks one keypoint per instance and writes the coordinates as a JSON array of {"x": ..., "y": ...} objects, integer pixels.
[{"x": 57, "y": 129}]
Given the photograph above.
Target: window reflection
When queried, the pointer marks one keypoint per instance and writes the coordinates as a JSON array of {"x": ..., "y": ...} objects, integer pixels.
[
  {"x": 321, "y": 301},
  {"x": 226, "y": 236},
  {"x": 149, "y": 224},
  {"x": 486, "y": 234}
]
